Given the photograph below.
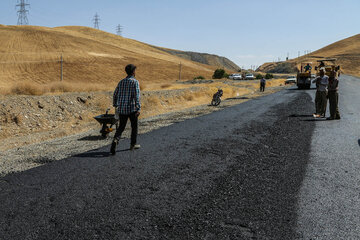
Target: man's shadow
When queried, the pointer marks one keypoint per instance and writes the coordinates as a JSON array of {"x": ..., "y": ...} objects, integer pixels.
[
  {"x": 103, "y": 154},
  {"x": 359, "y": 142}
]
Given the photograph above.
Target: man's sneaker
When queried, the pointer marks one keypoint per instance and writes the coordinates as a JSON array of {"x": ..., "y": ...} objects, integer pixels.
[
  {"x": 113, "y": 147},
  {"x": 337, "y": 117},
  {"x": 330, "y": 118},
  {"x": 136, "y": 146}
]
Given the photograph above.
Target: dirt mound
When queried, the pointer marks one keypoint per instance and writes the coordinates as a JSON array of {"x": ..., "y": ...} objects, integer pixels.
[
  {"x": 31, "y": 53},
  {"x": 346, "y": 51}
]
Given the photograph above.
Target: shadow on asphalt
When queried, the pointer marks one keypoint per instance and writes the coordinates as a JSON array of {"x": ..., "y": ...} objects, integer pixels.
[
  {"x": 91, "y": 138},
  {"x": 234, "y": 98},
  {"x": 359, "y": 142},
  {"x": 297, "y": 89},
  {"x": 300, "y": 115},
  {"x": 314, "y": 120},
  {"x": 98, "y": 154}
]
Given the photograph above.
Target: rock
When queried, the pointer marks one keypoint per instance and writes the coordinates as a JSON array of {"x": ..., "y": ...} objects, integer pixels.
[
  {"x": 82, "y": 100},
  {"x": 40, "y": 105}
]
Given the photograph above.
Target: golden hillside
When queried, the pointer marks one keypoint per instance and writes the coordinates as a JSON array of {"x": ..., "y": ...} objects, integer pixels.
[
  {"x": 31, "y": 53},
  {"x": 346, "y": 51}
]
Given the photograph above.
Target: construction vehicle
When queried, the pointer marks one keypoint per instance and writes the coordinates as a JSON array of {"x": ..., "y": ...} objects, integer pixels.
[
  {"x": 329, "y": 64},
  {"x": 303, "y": 78}
]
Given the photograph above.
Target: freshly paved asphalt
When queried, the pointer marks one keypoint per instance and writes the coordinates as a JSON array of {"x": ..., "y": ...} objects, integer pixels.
[
  {"x": 329, "y": 206},
  {"x": 246, "y": 172}
]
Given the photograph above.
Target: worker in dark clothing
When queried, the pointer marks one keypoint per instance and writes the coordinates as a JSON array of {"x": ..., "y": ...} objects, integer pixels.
[
  {"x": 308, "y": 68},
  {"x": 262, "y": 84},
  {"x": 333, "y": 97}
]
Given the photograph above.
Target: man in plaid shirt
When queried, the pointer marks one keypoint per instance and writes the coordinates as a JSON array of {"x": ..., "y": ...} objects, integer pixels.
[{"x": 126, "y": 100}]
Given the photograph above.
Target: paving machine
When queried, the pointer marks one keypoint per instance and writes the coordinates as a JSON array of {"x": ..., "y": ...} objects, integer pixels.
[
  {"x": 331, "y": 69},
  {"x": 303, "y": 78}
]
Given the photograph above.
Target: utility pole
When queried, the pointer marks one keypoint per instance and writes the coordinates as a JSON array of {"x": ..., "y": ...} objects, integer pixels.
[
  {"x": 61, "y": 67},
  {"x": 22, "y": 18},
  {"x": 96, "y": 21},
  {"x": 180, "y": 72},
  {"x": 119, "y": 29}
]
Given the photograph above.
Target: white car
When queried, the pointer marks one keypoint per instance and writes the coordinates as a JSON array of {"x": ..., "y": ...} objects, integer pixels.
[
  {"x": 249, "y": 76},
  {"x": 290, "y": 79},
  {"x": 235, "y": 76}
]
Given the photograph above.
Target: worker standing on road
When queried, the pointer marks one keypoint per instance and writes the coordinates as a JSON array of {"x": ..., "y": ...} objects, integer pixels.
[
  {"x": 262, "y": 84},
  {"x": 126, "y": 100},
  {"x": 333, "y": 96},
  {"x": 321, "y": 93}
]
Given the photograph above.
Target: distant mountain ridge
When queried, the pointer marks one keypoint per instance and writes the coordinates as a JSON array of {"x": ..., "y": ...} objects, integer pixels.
[{"x": 204, "y": 58}]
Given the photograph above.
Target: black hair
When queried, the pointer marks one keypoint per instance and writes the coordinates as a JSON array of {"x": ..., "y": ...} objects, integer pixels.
[{"x": 130, "y": 69}]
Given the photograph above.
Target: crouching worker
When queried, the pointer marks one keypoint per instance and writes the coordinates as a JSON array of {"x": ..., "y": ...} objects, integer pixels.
[
  {"x": 126, "y": 100},
  {"x": 333, "y": 97}
]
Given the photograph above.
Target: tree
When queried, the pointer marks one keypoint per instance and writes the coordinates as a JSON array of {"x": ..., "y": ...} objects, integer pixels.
[{"x": 219, "y": 73}]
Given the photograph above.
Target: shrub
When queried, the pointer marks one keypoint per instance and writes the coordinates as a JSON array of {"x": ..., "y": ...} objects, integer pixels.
[
  {"x": 226, "y": 75},
  {"x": 269, "y": 76},
  {"x": 259, "y": 76},
  {"x": 199, "y": 77},
  {"x": 219, "y": 73}
]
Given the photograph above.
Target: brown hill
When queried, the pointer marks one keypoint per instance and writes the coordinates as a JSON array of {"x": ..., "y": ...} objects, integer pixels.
[
  {"x": 346, "y": 51},
  {"x": 205, "y": 58},
  {"x": 31, "y": 53}
]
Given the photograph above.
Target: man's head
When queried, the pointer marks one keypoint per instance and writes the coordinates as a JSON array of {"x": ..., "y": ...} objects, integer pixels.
[
  {"x": 322, "y": 72},
  {"x": 130, "y": 70}
]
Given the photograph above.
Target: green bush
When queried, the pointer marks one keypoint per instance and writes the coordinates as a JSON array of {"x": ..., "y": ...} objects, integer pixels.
[
  {"x": 259, "y": 76},
  {"x": 226, "y": 75},
  {"x": 269, "y": 76},
  {"x": 199, "y": 77},
  {"x": 219, "y": 73}
]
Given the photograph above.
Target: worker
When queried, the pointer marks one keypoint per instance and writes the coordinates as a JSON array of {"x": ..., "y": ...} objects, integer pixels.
[
  {"x": 126, "y": 100},
  {"x": 321, "y": 93},
  {"x": 333, "y": 96},
  {"x": 262, "y": 84},
  {"x": 307, "y": 68}
]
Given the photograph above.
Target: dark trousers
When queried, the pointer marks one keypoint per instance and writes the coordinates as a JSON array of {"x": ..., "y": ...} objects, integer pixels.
[
  {"x": 134, "y": 127},
  {"x": 334, "y": 101},
  {"x": 262, "y": 87}
]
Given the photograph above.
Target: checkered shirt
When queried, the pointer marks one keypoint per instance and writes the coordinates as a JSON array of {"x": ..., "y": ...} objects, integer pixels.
[{"x": 127, "y": 96}]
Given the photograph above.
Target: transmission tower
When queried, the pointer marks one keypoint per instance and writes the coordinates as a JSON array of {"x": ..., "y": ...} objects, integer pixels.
[
  {"x": 22, "y": 18},
  {"x": 119, "y": 29},
  {"x": 96, "y": 21}
]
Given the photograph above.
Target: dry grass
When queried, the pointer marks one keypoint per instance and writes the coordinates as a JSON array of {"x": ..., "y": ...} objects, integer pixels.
[
  {"x": 32, "y": 54},
  {"x": 167, "y": 85},
  {"x": 31, "y": 88}
]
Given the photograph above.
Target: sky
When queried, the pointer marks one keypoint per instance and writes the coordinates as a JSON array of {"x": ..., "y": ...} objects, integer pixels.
[{"x": 248, "y": 32}]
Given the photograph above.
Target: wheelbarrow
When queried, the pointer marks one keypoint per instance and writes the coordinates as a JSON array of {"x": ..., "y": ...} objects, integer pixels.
[{"x": 107, "y": 121}]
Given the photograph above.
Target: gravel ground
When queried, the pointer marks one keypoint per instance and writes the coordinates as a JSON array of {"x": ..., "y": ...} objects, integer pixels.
[{"x": 230, "y": 174}]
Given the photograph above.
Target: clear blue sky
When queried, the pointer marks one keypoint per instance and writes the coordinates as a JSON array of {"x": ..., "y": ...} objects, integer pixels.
[{"x": 249, "y": 32}]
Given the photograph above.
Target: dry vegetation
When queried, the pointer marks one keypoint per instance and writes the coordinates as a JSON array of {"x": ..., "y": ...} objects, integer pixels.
[{"x": 32, "y": 54}]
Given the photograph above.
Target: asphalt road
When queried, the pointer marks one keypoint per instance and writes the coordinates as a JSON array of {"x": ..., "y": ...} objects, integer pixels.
[
  {"x": 329, "y": 206},
  {"x": 246, "y": 172}
]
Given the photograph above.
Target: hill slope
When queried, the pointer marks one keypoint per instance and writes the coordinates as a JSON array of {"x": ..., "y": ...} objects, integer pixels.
[
  {"x": 346, "y": 51},
  {"x": 205, "y": 58},
  {"x": 33, "y": 53}
]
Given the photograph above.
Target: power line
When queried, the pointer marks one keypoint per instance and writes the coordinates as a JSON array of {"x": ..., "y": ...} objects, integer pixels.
[
  {"x": 96, "y": 21},
  {"x": 119, "y": 29},
  {"x": 22, "y": 12}
]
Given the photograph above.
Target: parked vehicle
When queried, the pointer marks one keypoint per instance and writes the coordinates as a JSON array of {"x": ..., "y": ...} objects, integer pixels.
[
  {"x": 249, "y": 76},
  {"x": 303, "y": 78},
  {"x": 235, "y": 76},
  {"x": 290, "y": 79}
]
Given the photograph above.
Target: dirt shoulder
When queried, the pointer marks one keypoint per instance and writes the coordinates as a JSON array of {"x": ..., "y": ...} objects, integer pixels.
[{"x": 38, "y": 140}]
